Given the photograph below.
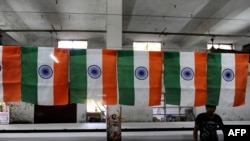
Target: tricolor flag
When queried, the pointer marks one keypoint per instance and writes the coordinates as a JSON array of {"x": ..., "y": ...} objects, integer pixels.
[
  {"x": 10, "y": 74},
  {"x": 139, "y": 77},
  {"x": 185, "y": 78},
  {"x": 227, "y": 79},
  {"x": 93, "y": 76},
  {"x": 45, "y": 75}
]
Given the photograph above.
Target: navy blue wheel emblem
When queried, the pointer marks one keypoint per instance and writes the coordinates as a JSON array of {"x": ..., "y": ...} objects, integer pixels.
[
  {"x": 228, "y": 75},
  {"x": 187, "y": 73},
  {"x": 141, "y": 73},
  {"x": 94, "y": 71},
  {"x": 45, "y": 71}
]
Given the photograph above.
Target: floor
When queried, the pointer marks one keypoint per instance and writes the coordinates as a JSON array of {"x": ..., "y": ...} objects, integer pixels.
[
  {"x": 169, "y": 131},
  {"x": 97, "y": 136}
]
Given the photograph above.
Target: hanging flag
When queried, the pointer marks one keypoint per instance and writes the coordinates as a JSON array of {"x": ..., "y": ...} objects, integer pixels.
[
  {"x": 139, "y": 77},
  {"x": 93, "y": 76},
  {"x": 185, "y": 78},
  {"x": 45, "y": 75},
  {"x": 10, "y": 74},
  {"x": 227, "y": 79}
]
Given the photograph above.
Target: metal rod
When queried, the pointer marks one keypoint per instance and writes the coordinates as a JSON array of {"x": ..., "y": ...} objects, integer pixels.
[
  {"x": 49, "y": 30},
  {"x": 132, "y": 32},
  {"x": 186, "y": 34}
]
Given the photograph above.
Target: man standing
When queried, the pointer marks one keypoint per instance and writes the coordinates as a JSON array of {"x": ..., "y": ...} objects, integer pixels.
[{"x": 208, "y": 123}]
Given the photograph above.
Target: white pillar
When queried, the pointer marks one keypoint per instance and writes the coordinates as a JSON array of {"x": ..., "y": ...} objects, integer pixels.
[
  {"x": 114, "y": 24},
  {"x": 114, "y": 41}
]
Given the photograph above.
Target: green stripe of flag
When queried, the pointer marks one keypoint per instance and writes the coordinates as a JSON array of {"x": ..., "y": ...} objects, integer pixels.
[
  {"x": 29, "y": 74},
  {"x": 213, "y": 78},
  {"x": 172, "y": 77},
  {"x": 78, "y": 76},
  {"x": 125, "y": 66}
]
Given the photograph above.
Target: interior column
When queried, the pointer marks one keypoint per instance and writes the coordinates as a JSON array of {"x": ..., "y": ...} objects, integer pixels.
[{"x": 114, "y": 41}]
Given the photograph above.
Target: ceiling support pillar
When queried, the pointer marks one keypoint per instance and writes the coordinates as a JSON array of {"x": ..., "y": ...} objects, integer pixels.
[
  {"x": 114, "y": 41},
  {"x": 114, "y": 24}
]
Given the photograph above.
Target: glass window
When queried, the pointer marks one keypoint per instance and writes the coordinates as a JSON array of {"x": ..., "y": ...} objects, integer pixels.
[
  {"x": 147, "y": 46},
  {"x": 73, "y": 44},
  {"x": 220, "y": 46}
]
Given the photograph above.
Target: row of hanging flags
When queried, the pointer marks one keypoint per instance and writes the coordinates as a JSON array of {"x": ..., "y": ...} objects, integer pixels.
[{"x": 54, "y": 76}]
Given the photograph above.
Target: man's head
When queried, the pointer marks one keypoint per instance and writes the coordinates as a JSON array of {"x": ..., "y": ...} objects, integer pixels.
[
  {"x": 210, "y": 109},
  {"x": 210, "y": 106}
]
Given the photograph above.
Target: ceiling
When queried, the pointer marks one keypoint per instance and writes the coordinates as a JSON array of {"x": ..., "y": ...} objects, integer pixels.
[{"x": 178, "y": 24}]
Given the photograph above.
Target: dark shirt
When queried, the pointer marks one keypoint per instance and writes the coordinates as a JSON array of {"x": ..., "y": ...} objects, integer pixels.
[{"x": 208, "y": 126}]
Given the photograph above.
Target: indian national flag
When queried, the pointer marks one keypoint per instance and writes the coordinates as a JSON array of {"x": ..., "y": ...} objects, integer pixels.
[
  {"x": 10, "y": 74},
  {"x": 185, "y": 78},
  {"x": 139, "y": 77},
  {"x": 45, "y": 75},
  {"x": 93, "y": 76},
  {"x": 227, "y": 78}
]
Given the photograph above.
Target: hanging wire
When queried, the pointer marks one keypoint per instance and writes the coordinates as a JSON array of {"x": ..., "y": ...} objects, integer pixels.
[
  {"x": 1, "y": 37},
  {"x": 51, "y": 38},
  {"x": 212, "y": 40}
]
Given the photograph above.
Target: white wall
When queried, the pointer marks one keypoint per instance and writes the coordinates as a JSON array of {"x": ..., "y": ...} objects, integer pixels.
[{"x": 137, "y": 114}]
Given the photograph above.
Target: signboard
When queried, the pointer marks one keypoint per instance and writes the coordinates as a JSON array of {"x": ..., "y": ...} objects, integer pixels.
[{"x": 237, "y": 132}]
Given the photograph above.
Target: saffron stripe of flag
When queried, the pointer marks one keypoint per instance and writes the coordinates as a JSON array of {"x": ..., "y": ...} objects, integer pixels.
[
  {"x": 200, "y": 78},
  {"x": 185, "y": 78},
  {"x": 45, "y": 75},
  {"x": 227, "y": 79},
  {"x": 139, "y": 77},
  {"x": 93, "y": 76},
  {"x": 10, "y": 74}
]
